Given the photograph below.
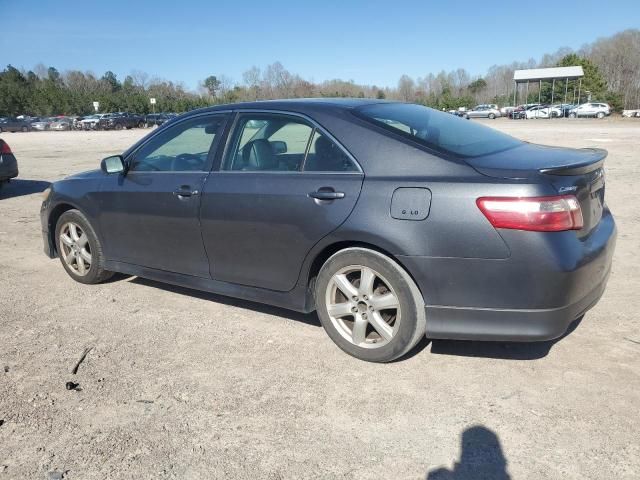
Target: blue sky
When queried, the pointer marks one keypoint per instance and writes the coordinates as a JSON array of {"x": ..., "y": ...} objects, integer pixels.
[{"x": 371, "y": 42}]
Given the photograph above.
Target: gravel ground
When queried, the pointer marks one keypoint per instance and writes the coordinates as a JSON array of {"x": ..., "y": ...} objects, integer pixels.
[{"x": 182, "y": 384}]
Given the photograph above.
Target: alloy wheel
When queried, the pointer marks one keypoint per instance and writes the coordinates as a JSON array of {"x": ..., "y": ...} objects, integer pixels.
[
  {"x": 75, "y": 249},
  {"x": 363, "y": 306}
]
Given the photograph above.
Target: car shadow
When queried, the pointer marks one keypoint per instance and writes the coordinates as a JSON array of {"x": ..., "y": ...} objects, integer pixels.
[
  {"x": 307, "y": 318},
  {"x": 481, "y": 457},
  {"x": 499, "y": 350},
  {"x": 20, "y": 187}
]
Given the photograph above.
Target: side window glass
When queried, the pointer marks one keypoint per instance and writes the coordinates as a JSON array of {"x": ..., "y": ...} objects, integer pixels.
[
  {"x": 325, "y": 156},
  {"x": 183, "y": 147},
  {"x": 268, "y": 143}
]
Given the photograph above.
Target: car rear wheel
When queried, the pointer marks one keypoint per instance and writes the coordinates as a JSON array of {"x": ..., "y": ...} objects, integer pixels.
[
  {"x": 118, "y": 126},
  {"x": 492, "y": 116},
  {"x": 79, "y": 249},
  {"x": 369, "y": 305},
  {"x": 25, "y": 129}
]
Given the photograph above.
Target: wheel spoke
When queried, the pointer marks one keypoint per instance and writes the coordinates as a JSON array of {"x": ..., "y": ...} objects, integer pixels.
[
  {"x": 85, "y": 255},
  {"x": 382, "y": 327},
  {"x": 82, "y": 241},
  {"x": 68, "y": 258},
  {"x": 359, "y": 332},
  {"x": 81, "y": 268},
  {"x": 345, "y": 286},
  {"x": 66, "y": 239},
  {"x": 338, "y": 310},
  {"x": 367, "y": 277},
  {"x": 385, "y": 301},
  {"x": 73, "y": 230}
]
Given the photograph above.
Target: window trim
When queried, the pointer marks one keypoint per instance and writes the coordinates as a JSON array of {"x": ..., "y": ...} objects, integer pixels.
[
  {"x": 314, "y": 125},
  {"x": 211, "y": 156}
]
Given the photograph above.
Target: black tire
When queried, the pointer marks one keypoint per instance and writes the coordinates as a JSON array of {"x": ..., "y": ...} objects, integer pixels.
[
  {"x": 118, "y": 126},
  {"x": 492, "y": 116},
  {"x": 25, "y": 129},
  {"x": 572, "y": 115},
  {"x": 141, "y": 124},
  {"x": 600, "y": 115},
  {"x": 96, "y": 272},
  {"x": 1, "y": 130},
  {"x": 412, "y": 326}
]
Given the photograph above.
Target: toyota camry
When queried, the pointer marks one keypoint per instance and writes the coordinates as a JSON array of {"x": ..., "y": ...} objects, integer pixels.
[{"x": 393, "y": 221}]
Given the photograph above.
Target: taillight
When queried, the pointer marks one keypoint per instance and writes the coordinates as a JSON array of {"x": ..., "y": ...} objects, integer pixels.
[
  {"x": 4, "y": 148},
  {"x": 537, "y": 214}
]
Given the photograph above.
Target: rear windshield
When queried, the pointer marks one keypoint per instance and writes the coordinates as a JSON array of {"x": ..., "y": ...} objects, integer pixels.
[{"x": 439, "y": 131}]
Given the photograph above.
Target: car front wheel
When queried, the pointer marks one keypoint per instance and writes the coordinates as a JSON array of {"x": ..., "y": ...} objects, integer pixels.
[
  {"x": 369, "y": 305},
  {"x": 79, "y": 249},
  {"x": 492, "y": 116},
  {"x": 600, "y": 115}
]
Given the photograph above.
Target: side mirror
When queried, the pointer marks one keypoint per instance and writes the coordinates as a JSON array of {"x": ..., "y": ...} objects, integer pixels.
[
  {"x": 111, "y": 165},
  {"x": 278, "y": 147}
]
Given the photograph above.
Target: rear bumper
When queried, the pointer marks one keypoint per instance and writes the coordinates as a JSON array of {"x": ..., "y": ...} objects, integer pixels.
[
  {"x": 548, "y": 281},
  {"x": 508, "y": 325}
]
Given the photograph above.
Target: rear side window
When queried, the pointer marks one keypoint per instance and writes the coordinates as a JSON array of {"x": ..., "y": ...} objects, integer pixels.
[
  {"x": 439, "y": 131},
  {"x": 325, "y": 156}
]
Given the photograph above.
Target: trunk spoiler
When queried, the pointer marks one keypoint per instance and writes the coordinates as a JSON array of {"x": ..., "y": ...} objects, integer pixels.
[{"x": 592, "y": 164}]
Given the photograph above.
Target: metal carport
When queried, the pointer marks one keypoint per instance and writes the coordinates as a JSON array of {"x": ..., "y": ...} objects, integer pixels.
[{"x": 548, "y": 74}]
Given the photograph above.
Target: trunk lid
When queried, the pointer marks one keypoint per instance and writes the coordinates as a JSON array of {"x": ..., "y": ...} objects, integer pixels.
[{"x": 570, "y": 171}]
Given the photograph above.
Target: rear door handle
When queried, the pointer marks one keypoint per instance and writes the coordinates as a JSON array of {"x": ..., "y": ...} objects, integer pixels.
[
  {"x": 185, "y": 191},
  {"x": 326, "y": 195}
]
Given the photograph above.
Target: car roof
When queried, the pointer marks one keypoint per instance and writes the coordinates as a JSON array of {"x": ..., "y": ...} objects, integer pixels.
[{"x": 297, "y": 104}]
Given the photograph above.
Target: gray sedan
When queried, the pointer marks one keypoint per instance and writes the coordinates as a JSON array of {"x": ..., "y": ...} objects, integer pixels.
[
  {"x": 393, "y": 221},
  {"x": 483, "y": 111}
]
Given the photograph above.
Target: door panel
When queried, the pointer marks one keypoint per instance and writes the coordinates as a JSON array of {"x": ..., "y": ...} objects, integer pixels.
[
  {"x": 258, "y": 227},
  {"x": 150, "y": 214},
  {"x": 145, "y": 222}
]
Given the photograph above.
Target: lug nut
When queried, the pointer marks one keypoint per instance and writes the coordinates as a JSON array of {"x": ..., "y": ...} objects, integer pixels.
[{"x": 365, "y": 298}]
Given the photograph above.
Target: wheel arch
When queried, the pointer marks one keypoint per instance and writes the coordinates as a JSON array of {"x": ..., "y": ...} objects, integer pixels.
[
  {"x": 54, "y": 215},
  {"x": 328, "y": 250}
]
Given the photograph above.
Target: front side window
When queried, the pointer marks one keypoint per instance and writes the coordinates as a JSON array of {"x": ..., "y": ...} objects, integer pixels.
[
  {"x": 183, "y": 147},
  {"x": 437, "y": 130}
]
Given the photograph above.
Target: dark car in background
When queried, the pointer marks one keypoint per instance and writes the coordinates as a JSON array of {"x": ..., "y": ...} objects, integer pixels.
[
  {"x": 8, "y": 163},
  {"x": 12, "y": 124},
  {"x": 393, "y": 221},
  {"x": 156, "y": 119},
  {"x": 120, "y": 120}
]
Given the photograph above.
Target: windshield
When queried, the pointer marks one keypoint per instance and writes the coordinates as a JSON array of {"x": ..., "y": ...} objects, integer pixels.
[{"x": 439, "y": 131}]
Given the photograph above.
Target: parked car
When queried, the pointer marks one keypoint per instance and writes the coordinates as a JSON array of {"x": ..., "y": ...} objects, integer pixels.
[
  {"x": 155, "y": 119},
  {"x": 42, "y": 124},
  {"x": 8, "y": 163},
  {"x": 483, "y": 111},
  {"x": 120, "y": 120},
  {"x": 91, "y": 122},
  {"x": 505, "y": 111},
  {"x": 453, "y": 239},
  {"x": 520, "y": 111},
  {"x": 599, "y": 110},
  {"x": 543, "y": 111},
  {"x": 63, "y": 123},
  {"x": 13, "y": 124}
]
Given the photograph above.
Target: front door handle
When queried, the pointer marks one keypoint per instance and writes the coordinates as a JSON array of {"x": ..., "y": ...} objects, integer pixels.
[
  {"x": 326, "y": 194},
  {"x": 185, "y": 191}
]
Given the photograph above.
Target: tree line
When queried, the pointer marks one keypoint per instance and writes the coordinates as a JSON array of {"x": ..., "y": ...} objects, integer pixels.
[{"x": 611, "y": 66}]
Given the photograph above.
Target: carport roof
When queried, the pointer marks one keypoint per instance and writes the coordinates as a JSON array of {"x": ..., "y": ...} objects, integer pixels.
[{"x": 535, "y": 74}]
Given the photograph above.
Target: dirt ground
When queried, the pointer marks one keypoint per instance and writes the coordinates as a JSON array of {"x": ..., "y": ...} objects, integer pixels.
[{"x": 182, "y": 384}]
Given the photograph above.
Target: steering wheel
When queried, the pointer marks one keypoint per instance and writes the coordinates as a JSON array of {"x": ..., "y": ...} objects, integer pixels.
[{"x": 186, "y": 159}]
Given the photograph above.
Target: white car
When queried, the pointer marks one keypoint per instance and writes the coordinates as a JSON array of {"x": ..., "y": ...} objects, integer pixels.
[
  {"x": 90, "y": 122},
  {"x": 543, "y": 111},
  {"x": 591, "y": 109}
]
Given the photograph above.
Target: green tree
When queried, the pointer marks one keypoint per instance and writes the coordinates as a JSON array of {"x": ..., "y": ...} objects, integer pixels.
[{"x": 212, "y": 84}]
